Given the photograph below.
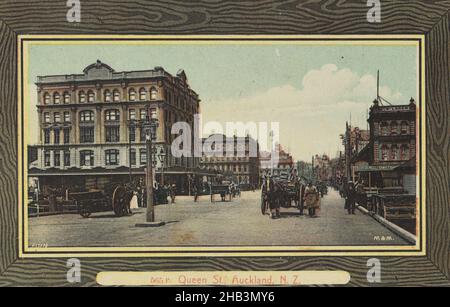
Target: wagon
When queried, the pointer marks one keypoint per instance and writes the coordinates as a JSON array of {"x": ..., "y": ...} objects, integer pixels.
[
  {"x": 114, "y": 198},
  {"x": 287, "y": 193},
  {"x": 222, "y": 189}
]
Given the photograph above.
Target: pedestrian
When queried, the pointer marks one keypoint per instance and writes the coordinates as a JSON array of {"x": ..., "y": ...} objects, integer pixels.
[
  {"x": 172, "y": 193},
  {"x": 350, "y": 198},
  {"x": 312, "y": 199},
  {"x": 275, "y": 192}
]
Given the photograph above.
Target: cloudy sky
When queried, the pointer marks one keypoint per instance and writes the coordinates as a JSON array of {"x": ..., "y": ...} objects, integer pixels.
[{"x": 311, "y": 90}]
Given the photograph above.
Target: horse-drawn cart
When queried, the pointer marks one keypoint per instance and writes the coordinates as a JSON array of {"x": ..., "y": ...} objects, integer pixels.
[
  {"x": 113, "y": 198},
  {"x": 276, "y": 192}
]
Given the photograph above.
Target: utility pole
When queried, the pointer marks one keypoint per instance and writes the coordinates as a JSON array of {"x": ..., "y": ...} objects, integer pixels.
[{"x": 149, "y": 175}]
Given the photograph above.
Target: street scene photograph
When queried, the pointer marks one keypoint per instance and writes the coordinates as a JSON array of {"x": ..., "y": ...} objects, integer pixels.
[{"x": 239, "y": 144}]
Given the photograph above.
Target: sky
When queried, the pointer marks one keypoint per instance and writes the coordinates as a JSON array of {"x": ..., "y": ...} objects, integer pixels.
[{"x": 310, "y": 90}]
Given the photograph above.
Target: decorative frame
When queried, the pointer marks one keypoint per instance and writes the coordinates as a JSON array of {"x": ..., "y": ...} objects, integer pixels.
[{"x": 431, "y": 19}]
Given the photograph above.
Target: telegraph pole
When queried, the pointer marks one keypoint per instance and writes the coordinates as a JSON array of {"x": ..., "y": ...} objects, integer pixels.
[{"x": 149, "y": 175}]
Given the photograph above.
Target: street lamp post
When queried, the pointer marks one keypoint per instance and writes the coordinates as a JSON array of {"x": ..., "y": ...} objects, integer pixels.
[
  {"x": 161, "y": 157},
  {"x": 149, "y": 127}
]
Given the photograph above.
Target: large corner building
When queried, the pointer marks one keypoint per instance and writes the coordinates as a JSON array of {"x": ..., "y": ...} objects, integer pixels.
[{"x": 88, "y": 131}]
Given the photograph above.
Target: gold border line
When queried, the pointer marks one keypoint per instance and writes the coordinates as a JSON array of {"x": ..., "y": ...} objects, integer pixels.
[{"x": 234, "y": 251}]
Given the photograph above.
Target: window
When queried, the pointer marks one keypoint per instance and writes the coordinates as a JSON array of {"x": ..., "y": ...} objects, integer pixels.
[
  {"x": 404, "y": 127},
  {"x": 153, "y": 93},
  {"x": 86, "y": 134},
  {"x": 66, "y": 158},
  {"x": 47, "y": 136},
  {"x": 56, "y": 136},
  {"x": 384, "y": 153},
  {"x": 142, "y": 94},
  {"x": 56, "y": 117},
  {"x": 46, "y": 98},
  {"x": 66, "y": 117},
  {"x": 91, "y": 96},
  {"x": 142, "y": 113},
  {"x": 66, "y": 97},
  {"x": 132, "y": 95},
  {"x": 112, "y": 134},
  {"x": 116, "y": 95},
  {"x": 142, "y": 137},
  {"x": 107, "y": 96},
  {"x": 57, "y": 158},
  {"x": 152, "y": 113},
  {"x": 132, "y": 134},
  {"x": 81, "y": 97},
  {"x": 131, "y": 114},
  {"x": 111, "y": 157},
  {"x": 86, "y": 158},
  {"x": 404, "y": 152},
  {"x": 47, "y": 158},
  {"x": 394, "y": 152},
  {"x": 133, "y": 156},
  {"x": 112, "y": 115},
  {"x": 56, "y": 98},
  {"x": 384, "y": 128},
  {"x": 394, "y": 127},
  {"x": 142, "y": 156},
  {"x": 66, "y": 136},
  {"x": 86, "y": 116},
  {"x": 46, "y": 117}
]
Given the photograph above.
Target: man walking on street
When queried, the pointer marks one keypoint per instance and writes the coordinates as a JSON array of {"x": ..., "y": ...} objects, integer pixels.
[{"x": 350, "y": 198}]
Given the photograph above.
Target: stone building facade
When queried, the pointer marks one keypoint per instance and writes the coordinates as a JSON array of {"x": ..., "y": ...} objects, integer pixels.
[
  {"x": 90, "y": 122},
  {"x": 235, "y": 157}
]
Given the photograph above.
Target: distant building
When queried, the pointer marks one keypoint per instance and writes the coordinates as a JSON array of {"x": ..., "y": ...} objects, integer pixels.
[
  {"x": 281, "y": 166},
  {"x": 236, "y": 158},
  {"x": 322, "y": 168}
]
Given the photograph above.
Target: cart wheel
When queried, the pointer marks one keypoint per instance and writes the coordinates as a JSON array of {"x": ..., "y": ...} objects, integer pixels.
[
  {"x": 84, "y": 212},
  {"x": 118, "y": 201}
]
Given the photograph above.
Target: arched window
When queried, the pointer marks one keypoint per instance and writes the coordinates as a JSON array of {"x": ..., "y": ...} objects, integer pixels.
[
  {"x": 384, "y": 153},
  {"x": 112, "y": 115},
  {"x": 86, "y": 116},
  {"x": 91, "y": 96},
  {"x": 56, "y": 98},
  {"x": 394, "y": 127},
  {"x": 46, "y": 98},
  {"x": 404, "y": 152},
  {"x": 116, "y": 95},
  {"x": 142, "y": 94},
  {"x": 66, "y": 97},
  {"x": 404, "y": 127},
  {"x": 131, "y": 94},
  {"x": 153, "y": 93},
  {"x": 384, "y": 128},
  {"x": 394, "y": 152},
  {"x": 81, "y": 97},
  {"x": 107, "y": 96},
  {"x": 87, "y": 158}
]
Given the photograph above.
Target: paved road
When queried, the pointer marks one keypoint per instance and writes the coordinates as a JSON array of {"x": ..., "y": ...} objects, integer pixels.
[{"x": 221, "y": 223}]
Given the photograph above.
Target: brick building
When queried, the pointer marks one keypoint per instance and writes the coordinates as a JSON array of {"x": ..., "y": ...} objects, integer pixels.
[{"x": 389, "y": 159}]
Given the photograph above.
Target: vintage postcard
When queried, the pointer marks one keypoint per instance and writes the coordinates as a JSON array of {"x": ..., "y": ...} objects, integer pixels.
[{"x": 169, "y": 146}]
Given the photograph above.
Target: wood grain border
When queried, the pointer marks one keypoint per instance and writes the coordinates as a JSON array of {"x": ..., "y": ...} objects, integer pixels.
[{"x": 241, "y": 17}]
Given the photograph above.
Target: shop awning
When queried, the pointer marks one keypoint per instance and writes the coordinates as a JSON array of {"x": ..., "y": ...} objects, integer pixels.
[{"x": 375, "y": 168}]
